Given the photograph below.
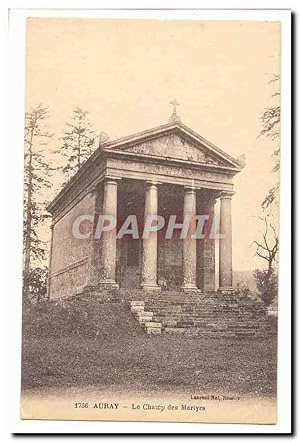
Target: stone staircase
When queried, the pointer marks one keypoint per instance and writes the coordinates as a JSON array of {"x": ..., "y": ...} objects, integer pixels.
[
  {"x": 206, "y": 315},
  {"x": 145, "y": 318}
]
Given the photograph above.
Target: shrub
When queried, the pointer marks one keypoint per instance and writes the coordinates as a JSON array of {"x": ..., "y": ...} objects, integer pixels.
[
  {"x": 267, "y": 285},
  {"x": 37, "y": 291}
]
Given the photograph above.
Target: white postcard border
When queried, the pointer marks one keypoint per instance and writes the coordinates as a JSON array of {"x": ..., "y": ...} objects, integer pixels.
[{"x": 13, "y": 258}]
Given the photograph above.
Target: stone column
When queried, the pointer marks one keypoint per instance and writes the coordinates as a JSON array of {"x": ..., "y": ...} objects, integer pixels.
[
  {"x": 189, "y": 244},
  {"x": 108, "y": 239},
  {"x": 209, "y": 254},
  {"x": 225, "y": 244},
  {"x": 149, "y": 265},
  {"x": 95, "y": 243}
]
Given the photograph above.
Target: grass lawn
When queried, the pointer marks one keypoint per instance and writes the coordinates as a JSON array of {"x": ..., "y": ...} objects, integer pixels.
[{"x": 84, "y": 342}]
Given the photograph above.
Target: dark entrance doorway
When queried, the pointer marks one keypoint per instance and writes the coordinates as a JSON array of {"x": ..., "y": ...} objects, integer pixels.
[
  {"x": 130, "y": 259},
  {"x": 129, "y": 250},
  {"x": 170, "y": 250}
]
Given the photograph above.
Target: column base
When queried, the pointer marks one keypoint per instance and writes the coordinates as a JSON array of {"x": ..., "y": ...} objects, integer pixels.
[
  {"x": 107, "y": 284},
  {"x": 226, "y": 290},
  {"x": 150, "y": 287},
  {"x": 190, "y": 289}
]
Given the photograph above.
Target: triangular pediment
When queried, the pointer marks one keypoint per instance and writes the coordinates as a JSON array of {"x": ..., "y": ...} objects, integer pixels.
[
  {"x": 175, "y": 146},
  {"x": 175, "y": 141}
]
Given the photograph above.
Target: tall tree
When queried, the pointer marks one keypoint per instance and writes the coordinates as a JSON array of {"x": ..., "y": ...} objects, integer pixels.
[
  {"x": 78, "y": 142},
  {"x": 267, "y": 245},
  {"x": 36, "y": 178},
  {"x": 270, "y": 120}
]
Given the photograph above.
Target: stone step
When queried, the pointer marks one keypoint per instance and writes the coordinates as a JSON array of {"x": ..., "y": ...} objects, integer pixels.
[
  {"x": 200, "y": 317},
  {"x": 140, "y": 303},
  {"x": 144, "y": 317},
  {"x": 137, "y": 309},
  {"x": 204, "y": 306},
  {"x": 206, "y": 318},
  {"x": 205, "y": 314},
  {"x": 153, "y": 328},
  {"x": 196, "y": 317},
  {"x": 212, "y": 333}
]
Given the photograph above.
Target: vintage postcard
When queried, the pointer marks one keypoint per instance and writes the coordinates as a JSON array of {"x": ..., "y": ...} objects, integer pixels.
[{"x": 151, "y": 220}]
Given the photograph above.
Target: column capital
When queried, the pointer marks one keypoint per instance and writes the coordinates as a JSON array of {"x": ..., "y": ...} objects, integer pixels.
[
  {"x": 109, "y": 179},
  {"x": 227, "y": 194},
  {"x": 153, "y": 183},
  {"x": 189, "y": 189}
]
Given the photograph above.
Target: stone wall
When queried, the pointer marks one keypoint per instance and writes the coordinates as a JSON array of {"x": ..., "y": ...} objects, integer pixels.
[
  {"x": 206, "y": 265},
  {"x": 70, "y": 256}
]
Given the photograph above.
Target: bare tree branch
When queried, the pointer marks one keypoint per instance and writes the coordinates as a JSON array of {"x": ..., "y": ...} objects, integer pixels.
[{"x": 267, "y": 248}]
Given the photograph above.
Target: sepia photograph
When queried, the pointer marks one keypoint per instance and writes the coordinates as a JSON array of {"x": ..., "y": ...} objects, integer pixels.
[{"x": 151, "y": 240}]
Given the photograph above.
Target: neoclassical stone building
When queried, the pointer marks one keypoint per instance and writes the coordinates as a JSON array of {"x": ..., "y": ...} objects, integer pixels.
[{"x": 167, "y": 170}]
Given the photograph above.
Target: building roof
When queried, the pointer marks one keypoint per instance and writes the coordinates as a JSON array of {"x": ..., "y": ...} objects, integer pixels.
[{"x": 123, "y": 143}]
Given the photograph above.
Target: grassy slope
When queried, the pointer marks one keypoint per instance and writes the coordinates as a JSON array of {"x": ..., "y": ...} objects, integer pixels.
[{"x": 78, "y": 343}]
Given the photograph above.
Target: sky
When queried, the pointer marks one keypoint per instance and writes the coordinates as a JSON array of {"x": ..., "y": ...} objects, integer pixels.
[{"x": 126, "y": 72}]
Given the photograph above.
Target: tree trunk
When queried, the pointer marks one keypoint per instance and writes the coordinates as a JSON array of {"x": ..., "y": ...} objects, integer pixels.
[{"x": 28, "y": 224}]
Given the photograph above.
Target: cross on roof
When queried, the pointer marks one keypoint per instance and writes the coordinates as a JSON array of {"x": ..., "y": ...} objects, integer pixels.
[
  {"x": 174, "y": 117},
  {"x": 174, "y": 103}
]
